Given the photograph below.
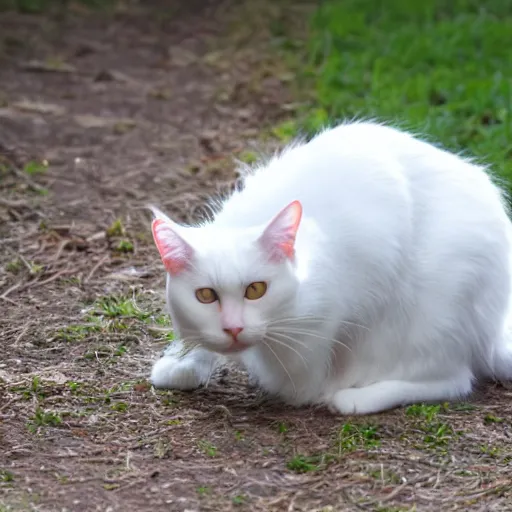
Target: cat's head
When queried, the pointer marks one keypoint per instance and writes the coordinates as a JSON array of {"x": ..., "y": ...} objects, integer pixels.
[{"x": 225, "y": 286}]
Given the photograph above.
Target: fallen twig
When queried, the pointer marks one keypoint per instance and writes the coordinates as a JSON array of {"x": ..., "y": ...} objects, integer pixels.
[
  {"x": 96, "y": 267},
  {"x": 13, "y": 203},
  {"x": 10, "y": 290}
]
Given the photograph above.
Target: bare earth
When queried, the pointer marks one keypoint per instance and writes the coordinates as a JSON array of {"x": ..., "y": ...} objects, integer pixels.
[{"x": 143, "y": 105}]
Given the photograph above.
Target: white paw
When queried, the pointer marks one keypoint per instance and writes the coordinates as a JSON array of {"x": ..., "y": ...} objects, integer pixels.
[
  {"x": 354, "y": 401},
  {"x": 171, "y": 373}
]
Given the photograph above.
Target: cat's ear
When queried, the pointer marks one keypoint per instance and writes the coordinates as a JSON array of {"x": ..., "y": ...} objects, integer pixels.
[
  {"x": 174, "y": 251},
  {"x": 278, "y": 239}
]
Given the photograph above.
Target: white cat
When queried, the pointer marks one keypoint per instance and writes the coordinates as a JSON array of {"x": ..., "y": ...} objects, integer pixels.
[{"x": 363, "y": 270}]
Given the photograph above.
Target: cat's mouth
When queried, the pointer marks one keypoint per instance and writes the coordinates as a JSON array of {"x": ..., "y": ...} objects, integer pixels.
[{"x": 237, "y": 346}]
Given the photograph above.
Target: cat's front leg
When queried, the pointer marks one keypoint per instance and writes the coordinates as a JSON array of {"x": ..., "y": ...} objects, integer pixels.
[
  {"x": 179, "y": 369},
  {"x": 394, "y": 393}
]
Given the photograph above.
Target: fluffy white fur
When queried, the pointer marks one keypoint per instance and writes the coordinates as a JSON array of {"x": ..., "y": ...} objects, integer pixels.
[{"x": 398, "y": 290}]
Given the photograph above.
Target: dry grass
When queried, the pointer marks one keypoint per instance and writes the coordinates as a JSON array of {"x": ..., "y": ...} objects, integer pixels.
[{"x": 81, "y": 293}]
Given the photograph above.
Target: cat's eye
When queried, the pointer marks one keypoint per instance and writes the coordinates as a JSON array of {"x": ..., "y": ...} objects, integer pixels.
[
  {"x": 256, "y": 290},
  {"x": 206, "y": 295}
]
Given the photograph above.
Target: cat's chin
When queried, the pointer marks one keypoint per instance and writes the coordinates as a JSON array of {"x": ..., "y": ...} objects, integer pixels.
[{"x": 234, "y": 348}]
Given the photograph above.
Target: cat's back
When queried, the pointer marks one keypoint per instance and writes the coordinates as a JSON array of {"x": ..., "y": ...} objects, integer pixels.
[
  {"x": 366, "y": 167},
  {"x": 333, "y": 167}
]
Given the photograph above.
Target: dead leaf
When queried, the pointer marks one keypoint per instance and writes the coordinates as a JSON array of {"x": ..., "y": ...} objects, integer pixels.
[
  {"x": 110, "y": 75},
  {"x": 142, "y": 387},
  {"x": 124, "y": 126},
  {"x": 130, "y": 274},
  {"x": 39, "y": 107},
  {"x": 79, "y": 432},
  {"x": 49, "y": 66},
  {"x": 8, "y": 377},
  {"x": 160, "y": 93},
  {"x": 209, "y": 140},
  {"x": 217, "y": 59},
  {"x": 181, "y": 57},
  {"x": 244, "y": 113},
  {"x": 88, "y": 47},
  {"x": 119, "y": 125},
  {"x": 9, "y": 113},
  {"x": 91, "y": 121},
  {"x": 286, "y": 76},
  {"x": 55, "y": 377}
]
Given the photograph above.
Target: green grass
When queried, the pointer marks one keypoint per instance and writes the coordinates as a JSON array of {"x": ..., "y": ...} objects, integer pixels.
[
  {"x": 74, "y": 387},
  {"x": 203, "y": 490},
  {"x": 303, "y": 464},
  {"x": 435, "y": 67},
  {"x": 386, "y": 476},
  {"x": 6, "y": 476},
  {"x": 435, "y": 433},
  {"x": 74, "y": 333},
  {"x": 426, "y": 411},
  {"x": 115, "y": 313},
  {"x": 115, "y": 229},
  {"x": 490, "y": 418},
  {"x": 353, "y": 437},
  {"x": 35, "y": 167},
  {"x": 350, "y": 437},
  {"x": 14, "y": 266},
  {"x": 207, "y": 448},
  {"x": 120, "y": 407},
  {"x": 119, "y": 307},
  {"x": 34, "y": 391},
  {"x": 282, "y": 427},
  {"x": 124, "y": 246},
  {"x": 238, "y": 500},
  {"x": 44, "y": 418}
]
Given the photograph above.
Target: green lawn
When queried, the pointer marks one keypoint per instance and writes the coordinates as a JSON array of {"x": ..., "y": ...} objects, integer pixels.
[{"x": 441, "y": 67}]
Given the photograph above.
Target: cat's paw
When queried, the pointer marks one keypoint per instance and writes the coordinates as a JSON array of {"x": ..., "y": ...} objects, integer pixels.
[
  {"x": 172, "y": 373},
  {"x": 355, "y": 401}
]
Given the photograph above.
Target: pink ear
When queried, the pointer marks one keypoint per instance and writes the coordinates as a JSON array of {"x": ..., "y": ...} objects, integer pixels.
[
  {"x": 174, "y": 251},
  {"x": 278, "y": 239}
]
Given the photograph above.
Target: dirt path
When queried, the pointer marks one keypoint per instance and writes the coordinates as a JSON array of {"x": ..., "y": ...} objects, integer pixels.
[{"x": 148, "y": 105}]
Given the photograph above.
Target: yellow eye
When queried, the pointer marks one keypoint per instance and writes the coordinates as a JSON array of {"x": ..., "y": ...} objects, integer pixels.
[
  {"x": 206, "y": 295},
  {"x": 255, "y": 290}
]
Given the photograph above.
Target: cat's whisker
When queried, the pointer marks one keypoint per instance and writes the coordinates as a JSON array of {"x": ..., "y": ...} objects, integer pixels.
[
  {"x": 347, "y": 324},
  {"x": 282, "y": 333},
  {"x": 314, "y": 335},
  {"x": 281, "y": 363},
  {"x": 280, "y": 342},
  {"x": 297, "y": 320},
  {"x": 190, "y": 340},
  {"x": 210, "y": 373},
  {"x": 334, "y": 356},
  {"x": 354, "y": 324}
]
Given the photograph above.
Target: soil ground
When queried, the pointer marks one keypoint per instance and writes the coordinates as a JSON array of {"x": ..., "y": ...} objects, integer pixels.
[{"x": 100, "y": 114}]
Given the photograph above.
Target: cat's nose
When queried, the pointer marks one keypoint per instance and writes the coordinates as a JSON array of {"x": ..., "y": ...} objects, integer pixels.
[{"x": 234, "y": 331}]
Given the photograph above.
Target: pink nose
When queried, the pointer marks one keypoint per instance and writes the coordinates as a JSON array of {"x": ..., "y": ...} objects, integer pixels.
[{"x": 234, "y": 331}]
